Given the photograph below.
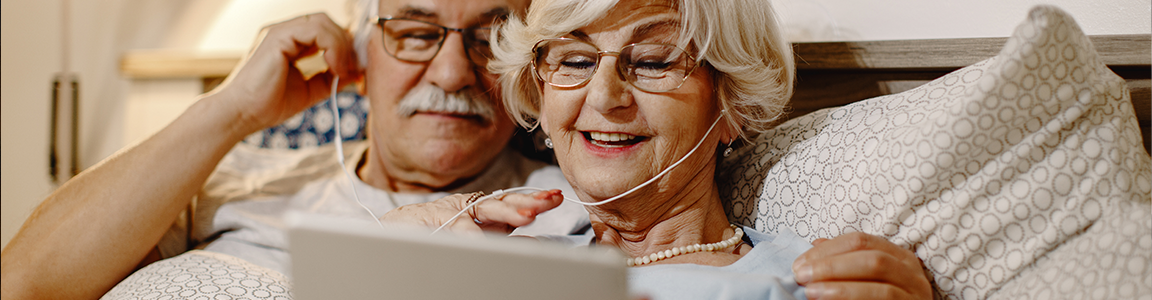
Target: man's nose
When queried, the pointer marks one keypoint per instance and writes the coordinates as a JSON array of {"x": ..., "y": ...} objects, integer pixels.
[{"x": 451, "y": 70}]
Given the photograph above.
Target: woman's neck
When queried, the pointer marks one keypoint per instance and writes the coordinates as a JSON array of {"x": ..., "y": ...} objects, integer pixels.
[{"x": 692, "y": 216}]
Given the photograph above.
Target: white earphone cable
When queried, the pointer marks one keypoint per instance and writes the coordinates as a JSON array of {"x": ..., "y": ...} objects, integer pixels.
[
  {"x": 340, "y": 149},
  {"x": 669, "y": 168},
  {"x": 617, "y": 197},
  {"x": 494, "y": 194}
]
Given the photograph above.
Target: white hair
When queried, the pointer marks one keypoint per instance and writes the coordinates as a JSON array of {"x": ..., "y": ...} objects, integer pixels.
[
  {"x": 361, "y": 27},
  {"x": 740, "y": 39}
]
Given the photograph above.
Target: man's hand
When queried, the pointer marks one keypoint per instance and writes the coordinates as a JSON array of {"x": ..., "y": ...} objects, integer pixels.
[
  {"x": 502, "y": 214},
  {"x": 861, "y": 266},
  {"x": 267, "y": 88}
]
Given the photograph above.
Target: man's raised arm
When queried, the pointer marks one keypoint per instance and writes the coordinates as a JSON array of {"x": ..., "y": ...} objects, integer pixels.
[{"x": 95, "y": 229}]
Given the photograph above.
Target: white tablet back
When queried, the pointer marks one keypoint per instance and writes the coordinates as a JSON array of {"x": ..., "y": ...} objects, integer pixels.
[{"x": 347, "y": 259}]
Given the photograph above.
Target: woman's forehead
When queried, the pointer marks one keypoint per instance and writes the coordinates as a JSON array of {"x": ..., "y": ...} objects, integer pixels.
[{"x": 637, "y": 20}]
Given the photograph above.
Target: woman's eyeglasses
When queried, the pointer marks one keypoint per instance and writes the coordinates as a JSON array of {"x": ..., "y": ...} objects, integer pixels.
[
  {"x": 654, "y": 68},
  {"x": 419, "y": 41}
]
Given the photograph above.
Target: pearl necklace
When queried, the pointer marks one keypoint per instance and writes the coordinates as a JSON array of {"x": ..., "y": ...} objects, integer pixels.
[{"x": 661, "y": 255}]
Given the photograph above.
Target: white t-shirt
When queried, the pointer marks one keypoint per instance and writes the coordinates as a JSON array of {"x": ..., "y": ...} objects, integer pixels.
[{"x": 240, "y": 210}]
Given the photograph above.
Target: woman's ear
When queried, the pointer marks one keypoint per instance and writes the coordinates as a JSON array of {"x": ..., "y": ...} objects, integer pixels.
[
  {"x": 542, "y": 122},
  {"x": 729, "y": 131}
]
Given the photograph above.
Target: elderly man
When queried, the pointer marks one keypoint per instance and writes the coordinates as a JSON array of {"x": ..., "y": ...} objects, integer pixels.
[{"x": 435, "y": 126}]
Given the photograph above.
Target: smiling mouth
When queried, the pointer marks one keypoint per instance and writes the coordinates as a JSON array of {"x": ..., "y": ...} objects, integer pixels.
[{"x": 612, "y": 140}]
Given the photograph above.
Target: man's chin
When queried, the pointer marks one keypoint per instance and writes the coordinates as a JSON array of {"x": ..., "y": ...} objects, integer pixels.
[
  {"x": 455, "y": 164},
  {"x": 452, "y": 149},
  {"x": 444, "y": 143}
]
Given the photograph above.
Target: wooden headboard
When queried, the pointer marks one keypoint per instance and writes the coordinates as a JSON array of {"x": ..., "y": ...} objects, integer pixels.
[
  {"x": 837, "y": 73},
  {"x": 828, "y": 73}
]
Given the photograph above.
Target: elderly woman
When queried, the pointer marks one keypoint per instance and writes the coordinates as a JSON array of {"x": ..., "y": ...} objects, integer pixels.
[{"x": 627, "y": 92}]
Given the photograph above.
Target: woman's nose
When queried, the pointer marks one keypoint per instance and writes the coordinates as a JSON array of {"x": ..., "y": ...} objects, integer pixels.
[{"x": 607, "y": 89}]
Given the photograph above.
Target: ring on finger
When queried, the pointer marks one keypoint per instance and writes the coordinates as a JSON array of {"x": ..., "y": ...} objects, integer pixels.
[{"x": 475, "y": 196}]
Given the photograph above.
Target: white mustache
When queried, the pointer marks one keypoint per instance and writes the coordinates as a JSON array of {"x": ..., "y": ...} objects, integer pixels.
[{"x": 429, "y": 98}]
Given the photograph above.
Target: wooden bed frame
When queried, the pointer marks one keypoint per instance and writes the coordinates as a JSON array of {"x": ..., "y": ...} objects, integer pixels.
[{"x": 837, "y": 73}]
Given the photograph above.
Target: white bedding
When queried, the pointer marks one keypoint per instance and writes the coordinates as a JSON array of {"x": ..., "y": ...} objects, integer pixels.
[
  {"x": 199, "y": 274},
  {"x": 1022, "y": 176}
]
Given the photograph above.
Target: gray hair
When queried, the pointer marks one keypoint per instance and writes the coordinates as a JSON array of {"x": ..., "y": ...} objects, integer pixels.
[
  {"x": 361, "y": 27},
  {"x": 740, "y": 39}
]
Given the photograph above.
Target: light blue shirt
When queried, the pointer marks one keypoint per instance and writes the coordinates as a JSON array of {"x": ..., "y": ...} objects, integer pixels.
[{"x": 763, "y": 273}]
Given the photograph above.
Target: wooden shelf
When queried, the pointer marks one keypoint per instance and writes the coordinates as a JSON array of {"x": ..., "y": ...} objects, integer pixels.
[{"x": 161, "y": 64}]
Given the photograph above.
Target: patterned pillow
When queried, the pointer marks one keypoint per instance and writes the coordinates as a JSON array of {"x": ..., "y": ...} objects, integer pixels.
[
  {"x": 315, "y": 126},
  {"x": 1019, "y": 177},
  {"x": 199, "y": 274}
]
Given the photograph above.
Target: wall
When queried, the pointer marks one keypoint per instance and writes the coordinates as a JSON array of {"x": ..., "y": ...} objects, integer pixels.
[
  {"x": 27, "y": 71},
  {"x": 101, "y": 31},
  {"x": 32, "y": 42},
  {"x": 829, "y": 20},
  {"x": 238, "y": 23},
  {"x": 220, "y": 27}
]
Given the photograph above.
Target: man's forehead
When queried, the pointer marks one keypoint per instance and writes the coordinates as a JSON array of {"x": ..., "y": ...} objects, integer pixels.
[{"x": 455, "y": 13}]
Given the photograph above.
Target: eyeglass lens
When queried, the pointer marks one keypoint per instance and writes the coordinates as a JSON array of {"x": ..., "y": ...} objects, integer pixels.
[
  {"x": 419, "y": 41},
  {"x": 649, "y": 67}
]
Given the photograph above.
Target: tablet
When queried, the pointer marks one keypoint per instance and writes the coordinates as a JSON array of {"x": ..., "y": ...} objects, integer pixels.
[{"x": 340, "y": 258}]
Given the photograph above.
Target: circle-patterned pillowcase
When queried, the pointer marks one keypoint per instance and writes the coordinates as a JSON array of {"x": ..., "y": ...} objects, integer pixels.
[
  {"x": 199, "y": 274},
  {"x": 316, "y": 126},
  {"x": 1022, "y": 176}
]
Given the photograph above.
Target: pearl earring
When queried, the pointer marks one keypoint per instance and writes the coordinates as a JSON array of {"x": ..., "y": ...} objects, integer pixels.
[
  {"x": 728, "y": 150},
  {"x": 548, "y": 143}
]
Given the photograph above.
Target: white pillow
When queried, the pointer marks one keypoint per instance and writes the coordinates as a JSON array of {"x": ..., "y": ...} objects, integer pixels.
[
  {"x": 1022, "y": 176},
  {"x": 199, "y": 274}
]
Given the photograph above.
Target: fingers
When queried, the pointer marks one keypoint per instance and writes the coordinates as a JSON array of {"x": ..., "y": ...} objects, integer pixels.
[
  {"x": 865, "y": 265},
  {"x": 861, "y": 266},
  {"x": 495, "y": 215},
  {"x": 269, "y": 87},
  {"x": 855, "y": 241},
  {"x": 465, "y": 226},
  {"x": 434, "y": 214},
  {"x": 518, "y": 210},
  {"x": 309, "y": 34},
  {"x": 852, "y": 290}
]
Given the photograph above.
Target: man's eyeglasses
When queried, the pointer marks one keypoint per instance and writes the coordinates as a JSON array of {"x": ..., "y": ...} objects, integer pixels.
[
  {"x": 654, "y": 68},
  {"x": 419, "y": 41}
]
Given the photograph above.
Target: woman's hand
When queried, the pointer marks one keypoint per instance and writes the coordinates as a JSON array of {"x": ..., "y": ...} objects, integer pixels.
[
  {"x": 502, "y": 214},
  {"x": 861, "y": 266},
  {"x": 267, "y": 88}
]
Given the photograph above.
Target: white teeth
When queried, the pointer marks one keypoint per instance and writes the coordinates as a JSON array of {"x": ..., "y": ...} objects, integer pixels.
[{"x": 610, "y": 137}]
